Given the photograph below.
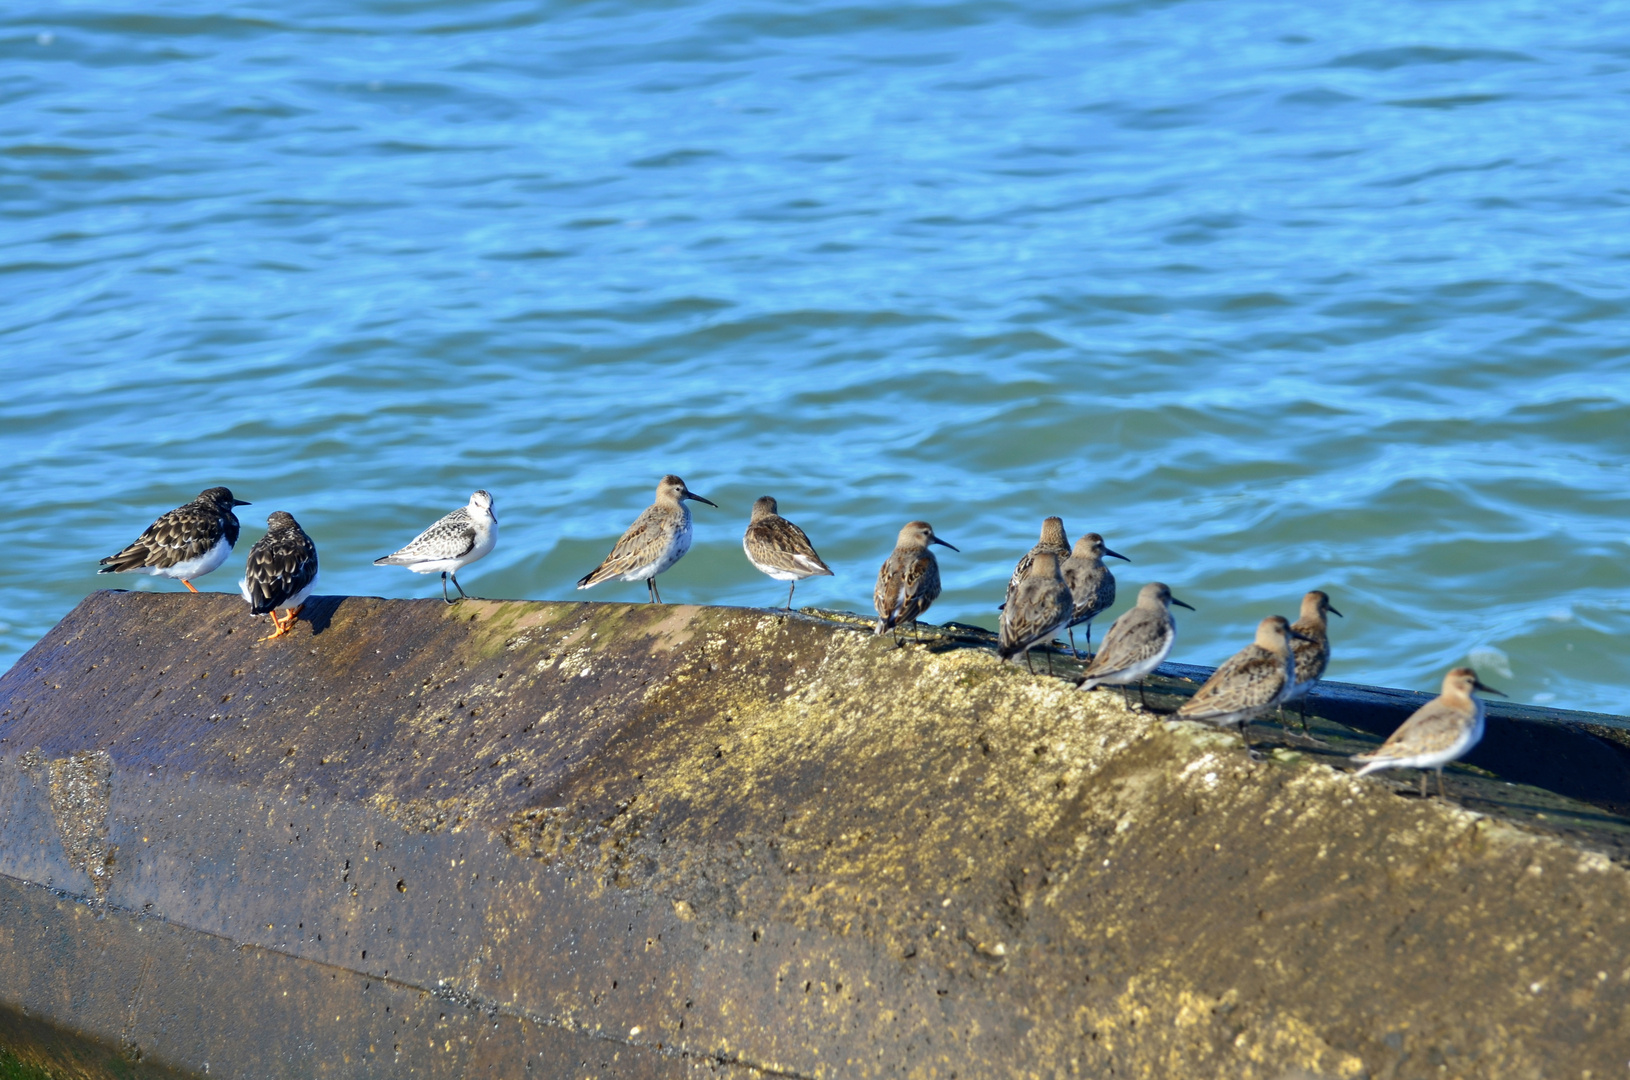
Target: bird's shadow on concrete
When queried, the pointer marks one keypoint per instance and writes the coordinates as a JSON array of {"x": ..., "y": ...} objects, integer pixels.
[{"x": 319, "y": 612}]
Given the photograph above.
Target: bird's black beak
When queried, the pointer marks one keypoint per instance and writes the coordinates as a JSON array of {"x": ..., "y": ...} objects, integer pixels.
[
  {"x": 698, "y": 498},
  {"x": 1300, "y": 637},
  {"x": 242, "y": 502},
  {"x": 1180, "y": 603},
  {"x": 1477, "y": 684},
  {"x": 1333, "y": 611},
  {"x": 1116, "y": 555},
  {"x": 937, "y": 540}
]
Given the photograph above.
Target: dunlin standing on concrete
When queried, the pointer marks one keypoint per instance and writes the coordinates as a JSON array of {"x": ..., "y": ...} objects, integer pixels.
[
  {"x": 779, "y": 548},
  {"x": 658, "y": 538},
  {"x": 1312, "y": 648},
  {"x": 1052, "y": 539},
  {"x": 1251, "y": 682},
  {"x": 1436, "y": 733},
  {"x": 280, "y": 573},
  {"x": 1092, "y": 586},
  {"x": 1137, "y": 643},
  {"x": 1037, "y": 608},
  {"x": 185, "y": 543},
  {"x": 451, "y": 544},
  {"x": 910, "y": 578}
]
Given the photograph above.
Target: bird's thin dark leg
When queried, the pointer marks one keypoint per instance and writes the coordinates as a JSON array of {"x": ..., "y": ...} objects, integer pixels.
[
  {"x": 1071, "y": 631},
  {"x": 790, "y": 587},
  {"x": 444, "y": 596},
  {"x": 1049, "y": 661},
  {"x": 456, "y": 585},
  {"x": 1423, "y": 783},
  {"x": 1141, "y": 699},
  {"x": 1027, "y": 662},
  {"x": 1441, "y": 793},
  {"x": 1089, "y": 639},
  {"x": 651, "y": 585},
  {"x": 1126, "y": 695}
]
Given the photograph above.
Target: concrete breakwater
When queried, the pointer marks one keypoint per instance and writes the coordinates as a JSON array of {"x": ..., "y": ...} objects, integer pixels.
[{"x": 569, "y": 839}]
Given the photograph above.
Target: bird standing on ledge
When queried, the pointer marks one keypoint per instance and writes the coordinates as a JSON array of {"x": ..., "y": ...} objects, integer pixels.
[
  {"x": 909, "y": 579},
  {"x": 1037, "y": 607},
  {"x": 658, "y": 538},
  {"x": 451, "y": 544},
  {"x": 779, "y": 548},
  {"x": 1436, "y": 733},
  {"x": 280, "y": 573},
  {"x": 1251, "y": 682},
  {"x": 186, "y": 543},
  {"x": 1137, "y": 643}
]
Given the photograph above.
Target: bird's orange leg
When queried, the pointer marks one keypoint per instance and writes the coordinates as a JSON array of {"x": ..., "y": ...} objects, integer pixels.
[
  {"x": 188, "y": 584},
  {"x": 282, "y": 625}
]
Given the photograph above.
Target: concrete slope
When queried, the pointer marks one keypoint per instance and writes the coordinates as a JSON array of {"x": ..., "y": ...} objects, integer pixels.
[{"x": 564, "y": 840}]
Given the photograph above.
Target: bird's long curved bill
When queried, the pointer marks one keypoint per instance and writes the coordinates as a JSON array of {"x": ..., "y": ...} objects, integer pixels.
[
  {"x": 942, "y": 543},
  {"x": 1478, "y": 685},
  {"x": 242, "y": 502},
  {"x": 1180, "y": 603},
  {"x": 1118, "y": 555},
  {"x": 698, "y": 498},
  {"x": 1333, "y": 611}
]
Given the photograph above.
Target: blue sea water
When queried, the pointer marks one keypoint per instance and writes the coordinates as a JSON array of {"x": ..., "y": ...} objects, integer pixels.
[{"x": 1274, "y": 296}]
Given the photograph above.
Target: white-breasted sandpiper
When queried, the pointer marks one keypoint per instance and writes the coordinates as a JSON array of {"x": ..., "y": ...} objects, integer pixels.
[
  {"x": 777, "y": 547},
  {"x": 1437, "y": 733},
  {"x": 1137, "y": 643},
  {"x": 659, "y": 537},
  {"x": 457, "y": 540}
]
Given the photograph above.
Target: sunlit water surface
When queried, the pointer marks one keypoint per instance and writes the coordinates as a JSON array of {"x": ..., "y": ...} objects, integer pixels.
[{"x": 1275, "y": 296}]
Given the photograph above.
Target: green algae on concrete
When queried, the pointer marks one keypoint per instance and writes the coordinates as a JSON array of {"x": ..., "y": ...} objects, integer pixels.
[{"x": 597, "y": 839}]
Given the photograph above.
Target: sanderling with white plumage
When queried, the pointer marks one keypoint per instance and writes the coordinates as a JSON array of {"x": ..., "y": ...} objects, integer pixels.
[{"x": 457, "y": 540}]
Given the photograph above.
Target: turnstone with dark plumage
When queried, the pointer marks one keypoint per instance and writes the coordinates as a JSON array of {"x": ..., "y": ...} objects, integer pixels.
[
  {"x": 1037, "y": 608},
  {"x": 188, "y": 542},
  {"x": 1436, "y": 733},
  {"x": 280, "y": 573},
  {"x": 1092, "y": 586},
  {"x": 909, "y": 579},
  {"x": 779, "y": 548},
  {"x": 457, "y": 540},
  {"x": 658, "y": 538},
  {"x": 1137, "y": 643}
]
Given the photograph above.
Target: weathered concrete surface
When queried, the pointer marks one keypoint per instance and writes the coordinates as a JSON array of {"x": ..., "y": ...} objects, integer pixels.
[{"x": 562, "y": 840}]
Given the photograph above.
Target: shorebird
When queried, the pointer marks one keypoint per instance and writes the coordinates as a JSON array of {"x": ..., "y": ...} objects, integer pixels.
[
  {"x": 1092, "y": 586},
  {"x": 186, "y": 543},
  {"x": 1251, "y": 682},
  {"x": 1052, "y": 539},
  {"x": 451, "y": 544},
  {"x": 1436, "y": 733},
  {"x": 280, "y": 573},
  {"x": 1037, "y": 608},
  {"x": 1312, "y": 649},
  {"x": 1136, "y": 644},
  {"x": 909, "y": 580},
  {"x": 779, "y": 548},
  {"x": 659, "y": 537}
]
